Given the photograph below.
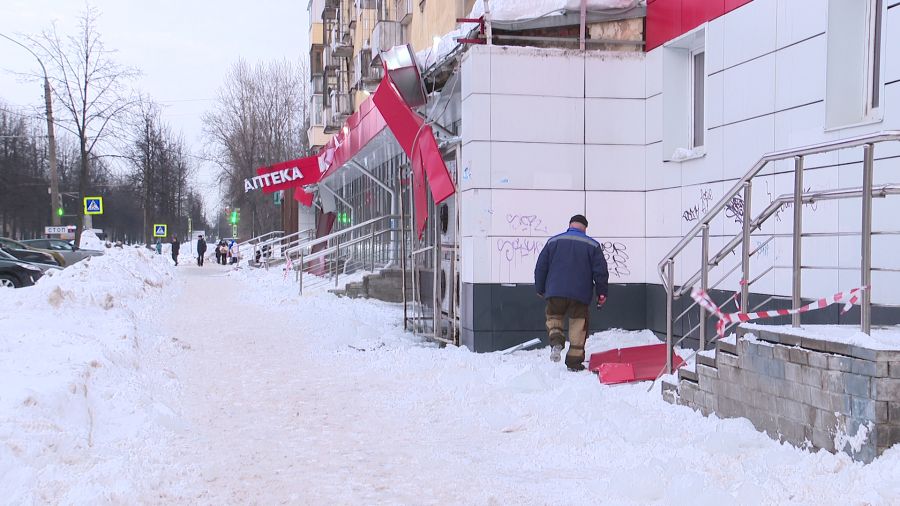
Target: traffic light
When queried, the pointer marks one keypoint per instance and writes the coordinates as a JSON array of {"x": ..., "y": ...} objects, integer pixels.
[
  {"x": 233, "y": 218},
  {"x": 60, "y": 211}
]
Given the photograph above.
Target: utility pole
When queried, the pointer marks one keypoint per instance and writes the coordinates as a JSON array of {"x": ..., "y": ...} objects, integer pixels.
[{"x": 55, "y": 200}]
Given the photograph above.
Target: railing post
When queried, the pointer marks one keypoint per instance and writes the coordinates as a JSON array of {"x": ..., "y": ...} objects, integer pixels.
[
  {"x": 337, "y": 258},
  {"x": 670, "y": 293},
  {"x": 402, "y": 249},
  {"x": 797, "y": 236},
  {"x": 704, "y": 280},
  {"x": 300, "y": 273},
  {"x": 745, "y": 249},
  {"x": 865, "y": 308},
  {"x": 372, "y": 247}
]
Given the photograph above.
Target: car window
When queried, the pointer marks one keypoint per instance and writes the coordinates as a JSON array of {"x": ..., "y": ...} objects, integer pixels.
[
  {"x": 60, "y": 245},
  {"x": 37, "y": 243}
]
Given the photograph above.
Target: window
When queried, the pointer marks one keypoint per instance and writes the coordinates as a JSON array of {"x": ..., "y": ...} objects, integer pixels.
[
  {"x": 697, "y": 97},
  {"x": 684, "y": 97},
  {"x": 316, "y": 111},
  {"x": 853, "y": 75}
]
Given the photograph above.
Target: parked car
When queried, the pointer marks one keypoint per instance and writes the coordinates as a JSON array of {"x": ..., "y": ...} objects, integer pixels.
[
  {"x": 69, "y": 252},
  {"x": 28, "y": 253},
  {"x": 16, "y": 274},
  {"x": 5, "y": 254}
]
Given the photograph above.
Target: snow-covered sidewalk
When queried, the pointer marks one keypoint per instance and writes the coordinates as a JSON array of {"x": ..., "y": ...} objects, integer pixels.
[{"x": 320, "y": 400}]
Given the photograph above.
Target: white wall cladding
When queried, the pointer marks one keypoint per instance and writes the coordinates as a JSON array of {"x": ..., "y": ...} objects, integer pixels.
[{"x": 548, "y": 133}]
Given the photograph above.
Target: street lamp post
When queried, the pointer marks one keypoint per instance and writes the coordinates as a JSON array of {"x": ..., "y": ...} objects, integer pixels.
[{"x": 55, "y": 201}]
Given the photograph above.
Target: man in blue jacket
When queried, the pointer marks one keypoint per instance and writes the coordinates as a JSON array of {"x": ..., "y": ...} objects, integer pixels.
[{"x": 568, "y": 271}]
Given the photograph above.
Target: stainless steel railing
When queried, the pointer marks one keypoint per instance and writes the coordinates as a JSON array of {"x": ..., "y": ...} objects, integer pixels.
[{"x": 798, "y": 198}]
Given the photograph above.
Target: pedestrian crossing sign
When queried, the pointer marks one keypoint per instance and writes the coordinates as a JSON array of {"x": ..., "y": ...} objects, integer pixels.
[
  {"x": 93, "y": 205},
  {"x": 160, "y": 230}
]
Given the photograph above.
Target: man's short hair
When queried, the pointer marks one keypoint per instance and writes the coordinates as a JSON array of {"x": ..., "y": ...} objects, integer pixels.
[{"x": 579, "y": 218}]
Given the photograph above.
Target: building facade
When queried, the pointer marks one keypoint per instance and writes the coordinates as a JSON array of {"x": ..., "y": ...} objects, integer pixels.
[{"x": 645, "y": 143}]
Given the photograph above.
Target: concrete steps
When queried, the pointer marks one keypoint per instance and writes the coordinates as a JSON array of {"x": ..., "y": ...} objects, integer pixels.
[{"x": 385, "y": 285}]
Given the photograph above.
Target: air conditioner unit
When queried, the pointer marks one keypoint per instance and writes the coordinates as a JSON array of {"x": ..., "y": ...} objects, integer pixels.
[{"x": 404, "y": 11}]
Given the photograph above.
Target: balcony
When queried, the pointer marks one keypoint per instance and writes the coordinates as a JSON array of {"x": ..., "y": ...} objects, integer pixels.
[
  {"x": 366, "y": 4},
  {"x": 318, "y": 84},
  {"x": 386, "y": 35},
  {"x": 365, "y": 75},
  {"x": 341, "y": 43},
  {"x": 331, "y": 63},
  {"x": 404, "y": 11}
]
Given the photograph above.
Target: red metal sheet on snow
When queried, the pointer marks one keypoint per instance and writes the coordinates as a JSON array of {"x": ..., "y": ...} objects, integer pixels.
[{"x": 637, "y": 363}]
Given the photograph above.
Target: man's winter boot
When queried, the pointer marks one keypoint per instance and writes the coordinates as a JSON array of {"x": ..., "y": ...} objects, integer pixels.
[{"x": 555, "y": 352}]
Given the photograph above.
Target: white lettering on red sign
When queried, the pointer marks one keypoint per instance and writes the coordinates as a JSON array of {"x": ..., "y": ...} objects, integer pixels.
[{"x": 272, "y": 179}]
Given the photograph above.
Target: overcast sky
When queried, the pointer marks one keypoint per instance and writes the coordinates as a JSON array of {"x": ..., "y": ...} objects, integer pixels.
[{"x": 183, "y": 49}]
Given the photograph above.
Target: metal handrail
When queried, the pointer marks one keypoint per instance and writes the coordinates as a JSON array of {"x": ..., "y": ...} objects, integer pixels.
[
  {"x": 879, "y": 191},
  {"x": 853, "y": 142},
  {"x": 799, "y": 198},
  {"x": 259, "y": 237},
  {"x": 333, "y": 235}
]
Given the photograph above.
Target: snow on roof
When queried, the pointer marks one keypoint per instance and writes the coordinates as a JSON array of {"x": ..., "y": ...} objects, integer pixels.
[{"x": 513, "y": 10}]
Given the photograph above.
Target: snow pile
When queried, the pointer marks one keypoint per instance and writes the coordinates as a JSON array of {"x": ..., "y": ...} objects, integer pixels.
[
  {"x": 90, "y": 241},
  {"x": 512, "y": 10},
  {"x": 76, "y": 397}
]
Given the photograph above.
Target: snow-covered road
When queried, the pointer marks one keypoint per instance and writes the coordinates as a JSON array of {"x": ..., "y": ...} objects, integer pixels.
[{"x": 259, "y": 396}]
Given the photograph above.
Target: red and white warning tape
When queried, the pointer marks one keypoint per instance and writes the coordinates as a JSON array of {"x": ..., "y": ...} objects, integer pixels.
[
  {"x": 288, "y": 265},
  {"x": 725, "y": 319}
]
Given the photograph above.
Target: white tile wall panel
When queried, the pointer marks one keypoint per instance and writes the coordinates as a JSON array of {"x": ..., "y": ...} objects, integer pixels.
[
  {"x": 533, "y": 213},
  {"x": 800, "y": 19},
  {"x": 656, "y": 248},
  {"x": 715, "y": 100},
  {"x": 475, "y": 213},
  {"x": 614, "y": 167},
  {"x": 749, "y": 32},
  {"x": 715, "y": 45},
  {"x": 653, "y": 65},
  {"x": 476, "y": 71},
  {"x": 746, "y": 142},
  {"x": 614, "y": 75},
  {"x": 819, "y": 252},
  {"x": 512, "y": 258},
  {"x": 476, "y": 118},
  {"x": 761, "y": 260},
  {"x": 616, "y": 214},
  {"x": 475, "y": 259},
  {"x": 891, "y": 97},
  {"x": 664, "y": 213},
  {"x": 654, "y": 119},
  {"x": 892, "y": 45},
  {"x": 819, "y": 216},
  {"x": 661, "y": 174},
  {"x": 625, "y": 258},
  {"x": 537, "y": 166},
  {"x": 476, "y": 165},
  {"x": 614, "y": 121},
  {"x": 696, "y": 202},
  {"x": 513, "y": 72},
  {"x": 523, "y": 118},
  {"x": 800, "y": 73},
  {"x": 750, "y": 89},
  {"x": 802, "y": 126},
  {"x": 885, "y": 287},
  {"x": 707, "y": 167}
]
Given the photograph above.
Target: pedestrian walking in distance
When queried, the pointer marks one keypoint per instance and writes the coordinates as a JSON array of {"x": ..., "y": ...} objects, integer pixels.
[
  {"x": 569, "y": 270},
  {"x": 175, "y": 247},
  {"x": 158, "y": 247},
  {"x": 201, "y": 250}
]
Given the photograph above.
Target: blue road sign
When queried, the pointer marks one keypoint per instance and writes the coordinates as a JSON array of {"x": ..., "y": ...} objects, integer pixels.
[
  {"x": 160, "y": 230},
  {"x": 93, "y": 205}
]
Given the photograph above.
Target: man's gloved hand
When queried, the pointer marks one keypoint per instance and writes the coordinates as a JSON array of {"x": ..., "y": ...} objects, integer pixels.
[{"x": 601, "y": 300}]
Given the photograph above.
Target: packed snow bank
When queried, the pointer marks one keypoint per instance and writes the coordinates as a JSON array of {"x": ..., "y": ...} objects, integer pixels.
[
  {"x": 373, "y": 415},
  {"x": 76, "y": 396},
  {"x": 511, "y": 10},
  {"x": 90, "y": 241}
]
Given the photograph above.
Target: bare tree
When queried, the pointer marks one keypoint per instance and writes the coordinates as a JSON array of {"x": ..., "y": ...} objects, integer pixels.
[
  {"x": 259, "y": 119},
  {"x": 90, "y": 86}
]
